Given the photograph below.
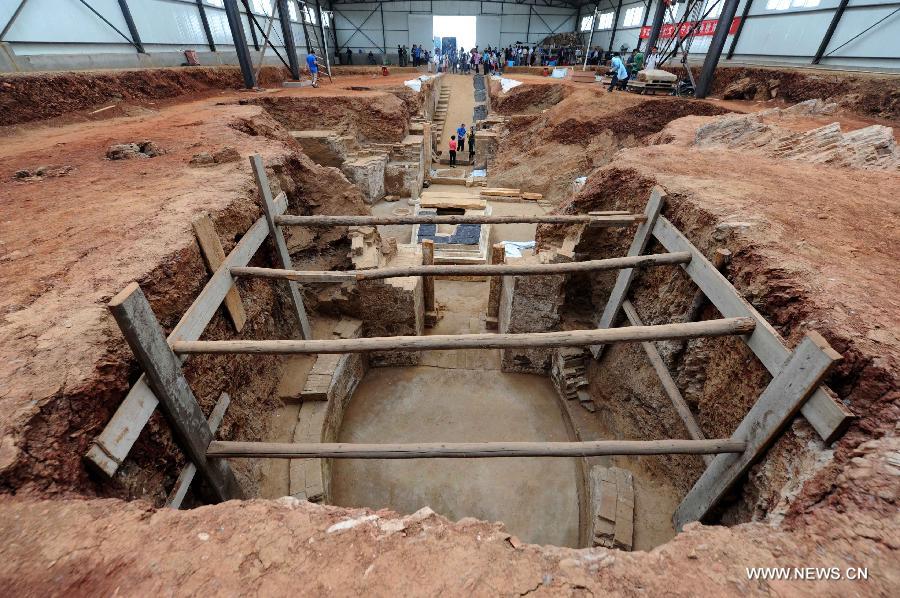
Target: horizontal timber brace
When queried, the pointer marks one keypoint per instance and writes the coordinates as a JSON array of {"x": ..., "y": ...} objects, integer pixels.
[
  {"x": 441, "y": 450},
  {"x": 660, "y": 259},
  {"x": 568, "y": 338},
  {"x": 592, "y": 220}
]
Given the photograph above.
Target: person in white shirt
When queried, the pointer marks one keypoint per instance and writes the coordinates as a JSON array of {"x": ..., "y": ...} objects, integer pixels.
[{"x": 652, "y": 59}]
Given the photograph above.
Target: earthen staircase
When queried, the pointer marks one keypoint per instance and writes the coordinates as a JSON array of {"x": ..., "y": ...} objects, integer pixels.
[{"x": 440, "y": 113}]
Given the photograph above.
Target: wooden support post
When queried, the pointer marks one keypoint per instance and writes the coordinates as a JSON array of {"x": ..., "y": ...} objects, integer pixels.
[
  {"x": 492, "y": 319},
  {"x": 262, "y": 182},
  {"x": 428, "y": 148},
  {"x": 566, "y": 338},
  {"x": 183, "y": 483},
  {"x": 212, "y": 251},
  {"x": 163, "y": 370},
  {"x": 826, "y": 414},
  {"x": 443, "y": 450},
  {"x": 109, "y": 449},
  {"x": 428, "y": 283},
  {"x": 720, "y": 259},
  {"x": 623, "y": 280},
  {"x": 668, "y": 384},
  {"x": 801, "y": 374}
]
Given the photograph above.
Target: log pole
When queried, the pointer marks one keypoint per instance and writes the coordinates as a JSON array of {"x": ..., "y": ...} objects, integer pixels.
[
  {"x": 496, "y": 268},
  {"x": 567, "y": 338},
  {"x": 470, "y": 450},
  {"x": 598, "y": 220}
]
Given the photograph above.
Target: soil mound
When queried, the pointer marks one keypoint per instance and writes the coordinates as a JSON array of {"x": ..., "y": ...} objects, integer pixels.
[{"x": 528, "y": 98}]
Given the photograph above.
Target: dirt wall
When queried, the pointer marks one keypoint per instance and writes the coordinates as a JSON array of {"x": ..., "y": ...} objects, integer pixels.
[
  {"x": 374, "y": 116},
  {"x": 28, "y": 97}
]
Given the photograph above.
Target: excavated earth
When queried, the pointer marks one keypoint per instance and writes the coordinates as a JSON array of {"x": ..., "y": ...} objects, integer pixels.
[{"x": 814, "y": 246}]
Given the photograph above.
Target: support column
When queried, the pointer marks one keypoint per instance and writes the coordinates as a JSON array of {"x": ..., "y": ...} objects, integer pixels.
[
  {"x": 612, "y": 37},
  {"x": 590, "y": 37},
  {"x": 132, "y": 28},
  {"x": 737, "y": 34},
  {"x": 206, "y": 29},
  {"x": 498, "y": 256},
  {"x": 287, "y": 35},
  {"x": 428, "y": 283},
  {"x": 715, "y": 48},
  {"x": 657, "y": 24},
  {"x": 262, "y": 182},
  {"x": 324, "y": 39},
  {"x": 643, "y": 24},
  {"x": 830, "y": 31},
  {"x": 162, "y": 369},
  {"x": 240, "y": 42}
]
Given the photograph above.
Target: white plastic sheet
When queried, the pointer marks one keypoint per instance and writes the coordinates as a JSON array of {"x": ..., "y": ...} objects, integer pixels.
[
  {"x": 507, "y": 84},
  {"x": 514, "y": 248},
  {"x": 559, "y": 73},
  {"x": 416, "y": 84}
]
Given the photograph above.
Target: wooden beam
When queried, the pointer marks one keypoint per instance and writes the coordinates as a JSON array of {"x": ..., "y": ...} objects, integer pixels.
[
  {"x": 623, "y": 281},
  {"x": 109, "y": 449},
  {"x": 567, "y": 338},
  {"x": 440, "y": 450},
  {"x": 145, "y": 336},
  {"x": 804, "y": 370},
  {"x": 211, "y": 248},
  {"x": 638, "y": 261},
  {"x": 498, "y": 256},
  {"x": 826, "y": 414},
  {"x": 427, "y": 281},
  {"x": 665, "y": 378},
  {"x": 262, "y": 183},
  {"x": 599, "y": 220},
  {"x": 183, "y": 483}
]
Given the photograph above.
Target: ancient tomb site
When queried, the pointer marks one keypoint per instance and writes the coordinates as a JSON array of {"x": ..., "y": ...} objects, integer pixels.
[{"x": 272, "y": 342}]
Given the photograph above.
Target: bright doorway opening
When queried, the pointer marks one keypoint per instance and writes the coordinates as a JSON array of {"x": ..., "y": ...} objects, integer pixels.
[{"x": 461, "y": 28}]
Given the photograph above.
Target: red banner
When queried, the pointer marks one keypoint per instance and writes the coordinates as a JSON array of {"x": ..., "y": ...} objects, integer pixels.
[{"x": 704, "y": 28}]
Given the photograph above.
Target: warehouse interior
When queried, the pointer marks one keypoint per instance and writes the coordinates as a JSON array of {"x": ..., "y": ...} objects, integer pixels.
[{"x": 467, "y": 298}]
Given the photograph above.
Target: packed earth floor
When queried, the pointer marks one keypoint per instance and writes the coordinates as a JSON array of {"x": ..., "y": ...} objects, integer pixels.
[{"x": 804, "y": 199}]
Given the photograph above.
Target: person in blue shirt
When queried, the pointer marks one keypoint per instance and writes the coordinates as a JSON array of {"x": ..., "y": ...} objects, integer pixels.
[
  {"x": 619, "y": 73},
  {"x": 313, "y": 63},
  {"x": 461, "y": 136}
]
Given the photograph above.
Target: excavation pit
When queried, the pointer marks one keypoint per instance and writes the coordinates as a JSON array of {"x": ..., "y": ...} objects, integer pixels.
[{"x": 806, "y": 488}]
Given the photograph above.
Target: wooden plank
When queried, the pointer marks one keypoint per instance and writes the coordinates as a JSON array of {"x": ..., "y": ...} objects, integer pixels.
[
  {"x": 328, "y": 277},
  {"x": 774, "y": 409},
  {"x": 623, "y": 281},
  {"x": 498, "y": 256},
  {"x": 428, "y": 281},
  {"x": 443, "y": 450},
  {"x": 665, "y": 378},
  {"x": 826, "y": 414},
  {"x": 592, "y": 220},
  {"x": 468, "y": 203},
  {"x": 262, "y": 183},
  {"x": 214, "y": 255},
  {"x": 565, "y": 338},
  {"x": 183, "y": 483},
  {"x": 145, "y": 336},
  {"x": 498, "y": 269},
  {"x": 110, "y": 448}
]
